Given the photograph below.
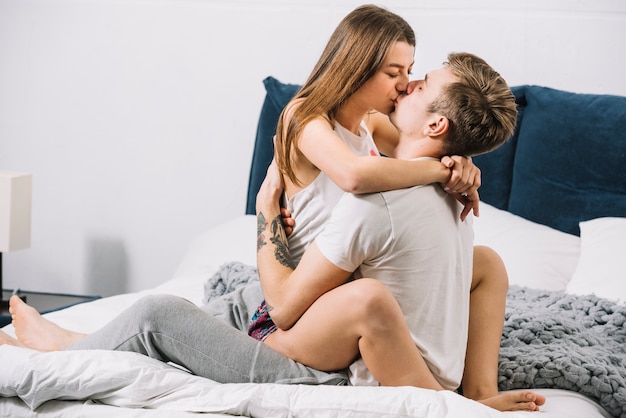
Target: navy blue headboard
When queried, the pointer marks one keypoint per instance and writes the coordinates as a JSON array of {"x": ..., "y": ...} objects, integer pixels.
[{"x": 565, "y": 163}]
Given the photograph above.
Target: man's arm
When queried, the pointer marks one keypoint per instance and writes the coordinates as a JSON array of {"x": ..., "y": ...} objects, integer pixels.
[{"x": 288, "y": 290}]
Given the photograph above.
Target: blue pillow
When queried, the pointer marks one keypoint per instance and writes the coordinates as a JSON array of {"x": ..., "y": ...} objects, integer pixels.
[
  {"x": 277, "y": 97},
  {"x": 570, "y": 161}
]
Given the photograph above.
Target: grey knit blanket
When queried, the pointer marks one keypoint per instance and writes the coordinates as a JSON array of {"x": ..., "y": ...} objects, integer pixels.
[
  {"x": 550, "y": 340},
  {"x": 228, "y": 278},
  {"x": 561, "y": 341}
]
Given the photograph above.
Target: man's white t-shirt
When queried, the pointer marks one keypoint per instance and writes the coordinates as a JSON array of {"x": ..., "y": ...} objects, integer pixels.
[{"x": 413, "y": 241}]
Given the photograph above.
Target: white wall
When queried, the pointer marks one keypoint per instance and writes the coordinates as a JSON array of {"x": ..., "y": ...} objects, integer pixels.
[{"x": 137, "y": 117}]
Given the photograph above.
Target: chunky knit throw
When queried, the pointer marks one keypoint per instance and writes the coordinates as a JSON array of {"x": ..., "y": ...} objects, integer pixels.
[
  {"x": 562, "y": 341},
  {"x": 550, "y": 340},
  {"x": 228, "y": 278}
]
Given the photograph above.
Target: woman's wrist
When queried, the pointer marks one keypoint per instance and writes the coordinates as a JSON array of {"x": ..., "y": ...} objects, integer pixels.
[{"x": 440, "y": 173}]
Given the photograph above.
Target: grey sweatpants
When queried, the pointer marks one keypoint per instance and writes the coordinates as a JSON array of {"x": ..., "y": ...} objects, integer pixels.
[{"x": 172, "y": 329}]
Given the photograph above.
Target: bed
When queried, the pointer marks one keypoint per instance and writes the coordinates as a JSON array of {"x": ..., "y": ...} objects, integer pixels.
[{"x": 554, "y": 207}]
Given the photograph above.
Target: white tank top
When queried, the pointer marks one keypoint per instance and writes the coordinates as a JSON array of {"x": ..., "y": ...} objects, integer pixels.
[{"x": 311, "y": 206}]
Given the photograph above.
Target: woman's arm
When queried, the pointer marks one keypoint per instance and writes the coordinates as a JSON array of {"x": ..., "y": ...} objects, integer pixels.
[
  {"x": 358, "y": 174},
  {"x": 465, "y": 179}
]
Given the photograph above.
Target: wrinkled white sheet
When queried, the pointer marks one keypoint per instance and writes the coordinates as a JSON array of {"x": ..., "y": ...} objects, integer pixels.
[
  {"x": 131, "y": 380},
  {"x": 140, "y": 384}
]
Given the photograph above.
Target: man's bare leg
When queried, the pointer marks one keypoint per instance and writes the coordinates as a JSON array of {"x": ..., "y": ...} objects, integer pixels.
[
  {"x": 487, "y": 308},
  {"x": 35, "y": 331}
]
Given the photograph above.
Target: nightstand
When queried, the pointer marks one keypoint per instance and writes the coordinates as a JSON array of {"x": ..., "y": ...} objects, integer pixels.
[{"x": 43, "y": 302}]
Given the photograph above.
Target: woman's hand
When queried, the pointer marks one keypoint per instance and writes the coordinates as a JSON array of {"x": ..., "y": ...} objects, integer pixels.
[
  {"x": 288, "y": 221},
  {"x": 464, "y": 183}
]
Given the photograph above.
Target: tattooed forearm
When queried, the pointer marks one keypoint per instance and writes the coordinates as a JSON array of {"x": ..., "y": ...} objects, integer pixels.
[
  {"x": 279, "y": 239},
  {"x": 261, "y": 224}
]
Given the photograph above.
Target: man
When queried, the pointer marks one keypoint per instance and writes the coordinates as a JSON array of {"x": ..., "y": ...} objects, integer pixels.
[{"x": 410, "y": 241}]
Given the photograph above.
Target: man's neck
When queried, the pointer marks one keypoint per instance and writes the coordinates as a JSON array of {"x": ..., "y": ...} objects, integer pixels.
[{"x": 409, "y": 148}]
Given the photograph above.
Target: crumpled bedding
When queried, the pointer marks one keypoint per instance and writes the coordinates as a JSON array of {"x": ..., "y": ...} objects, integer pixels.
[{"x": 131, "y": 380}]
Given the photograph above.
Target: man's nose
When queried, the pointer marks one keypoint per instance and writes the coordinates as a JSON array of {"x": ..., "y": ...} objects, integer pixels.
[{"x": 412, "y": 85}]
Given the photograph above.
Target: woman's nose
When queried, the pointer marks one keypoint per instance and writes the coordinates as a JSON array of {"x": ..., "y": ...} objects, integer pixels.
[{"x": 403, "y": 83}]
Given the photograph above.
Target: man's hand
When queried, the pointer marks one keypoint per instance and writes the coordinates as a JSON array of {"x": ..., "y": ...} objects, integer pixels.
[
  {"x": 271, "y": 189},
  {"x": 270, "y": 192},
  {"x": 464, "y": 183}
]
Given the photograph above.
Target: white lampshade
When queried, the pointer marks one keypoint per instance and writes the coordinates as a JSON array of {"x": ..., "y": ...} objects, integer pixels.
[{"x": 15, "y": 210}]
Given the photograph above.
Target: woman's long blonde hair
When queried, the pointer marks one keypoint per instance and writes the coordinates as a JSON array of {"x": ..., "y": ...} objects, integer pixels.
[{"x": 355, "y": 52}]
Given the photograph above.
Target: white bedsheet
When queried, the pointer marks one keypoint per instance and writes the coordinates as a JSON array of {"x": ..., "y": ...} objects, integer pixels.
[
  {"x": 130, "y": 380},
  {"x": 103, "y": 383}
]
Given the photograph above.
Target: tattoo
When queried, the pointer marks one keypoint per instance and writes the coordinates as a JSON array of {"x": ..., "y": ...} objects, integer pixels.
[
  {"x": 279, "y": 239},
  {"x": 268, "y": 307},
  {"x": 261, "y": 224}
]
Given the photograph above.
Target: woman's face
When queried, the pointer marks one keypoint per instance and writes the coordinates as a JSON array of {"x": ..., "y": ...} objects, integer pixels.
[{"x": 381, "y": 91}]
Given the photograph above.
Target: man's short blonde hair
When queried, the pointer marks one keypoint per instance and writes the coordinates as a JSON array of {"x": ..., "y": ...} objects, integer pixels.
[{"x": 480, "y": 107}]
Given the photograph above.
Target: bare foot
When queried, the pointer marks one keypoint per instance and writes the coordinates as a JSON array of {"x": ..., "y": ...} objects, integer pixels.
[
  {"x": 524, "y": 400},
  {"x": 7, "y": 339},
  {"x": 35, "y": 331}
]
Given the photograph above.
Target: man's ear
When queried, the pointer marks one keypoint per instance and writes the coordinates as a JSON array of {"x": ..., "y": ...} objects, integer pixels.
[{"x": 437, "y": 126}]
